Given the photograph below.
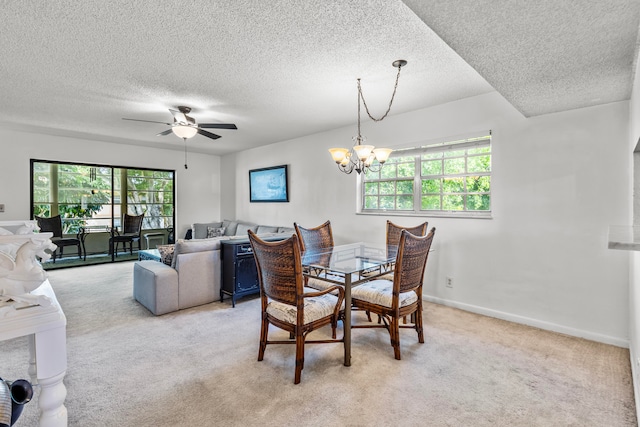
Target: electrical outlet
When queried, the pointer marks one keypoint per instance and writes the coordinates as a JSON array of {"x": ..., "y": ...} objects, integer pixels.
[
  {"x": 1, "y": 207},
  {"x": 449, "y": 282}
]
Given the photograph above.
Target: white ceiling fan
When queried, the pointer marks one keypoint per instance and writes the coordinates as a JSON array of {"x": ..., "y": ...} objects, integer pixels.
[{"x": 185, "y": 126}]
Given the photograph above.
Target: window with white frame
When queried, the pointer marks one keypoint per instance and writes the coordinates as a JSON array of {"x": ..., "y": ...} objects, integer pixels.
[{"x": 444, "y": 178}]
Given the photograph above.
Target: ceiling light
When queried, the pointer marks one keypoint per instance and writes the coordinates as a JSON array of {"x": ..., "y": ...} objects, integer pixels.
[
  {"x": 361, "y": 157},
  {"x": 185, "y": 131}
]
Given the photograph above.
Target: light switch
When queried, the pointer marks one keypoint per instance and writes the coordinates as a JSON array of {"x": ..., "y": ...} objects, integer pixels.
[{"x": 1, "y": 207}]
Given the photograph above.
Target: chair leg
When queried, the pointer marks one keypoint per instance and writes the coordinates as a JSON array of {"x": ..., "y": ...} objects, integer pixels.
[
  {"x": 299, "y": 358},
  {"x": 418, "y": 322},
  {"x": 334, "y": 325},
  {"x": 79, "y": 252},
  {"x": 264, "y": 332},
  {"x": 394, "y": 331}
]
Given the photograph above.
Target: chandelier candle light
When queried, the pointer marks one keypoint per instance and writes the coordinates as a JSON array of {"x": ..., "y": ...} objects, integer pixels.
[{"x": 361, "y": 157}]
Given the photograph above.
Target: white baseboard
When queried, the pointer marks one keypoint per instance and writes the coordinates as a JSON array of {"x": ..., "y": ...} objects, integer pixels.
[{"x": 548, "y": 326}]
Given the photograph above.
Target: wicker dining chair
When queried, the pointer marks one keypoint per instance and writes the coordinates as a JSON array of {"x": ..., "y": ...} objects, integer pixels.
[
  {"x": 312, "y": 239},
  {"x": 401, "y": 297},
  {"x": 394, "y": 231},
  {"x": 286, "y": 303},
  {"x": 393, "y": 239},
  {"x": 315, "y": 239},
  {"x": 54, "y": 225},
  {"x": 131, "y": 232}
]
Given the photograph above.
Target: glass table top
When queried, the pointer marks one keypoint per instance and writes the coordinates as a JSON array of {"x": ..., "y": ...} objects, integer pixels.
[{"x": 350, "y": 258}]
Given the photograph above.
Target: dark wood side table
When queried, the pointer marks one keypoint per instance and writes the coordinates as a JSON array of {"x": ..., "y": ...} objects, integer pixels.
[{"x": 239, "y": 272}]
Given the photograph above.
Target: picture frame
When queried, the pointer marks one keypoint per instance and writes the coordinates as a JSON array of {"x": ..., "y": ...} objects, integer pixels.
[{"x": 269, "y": 185}]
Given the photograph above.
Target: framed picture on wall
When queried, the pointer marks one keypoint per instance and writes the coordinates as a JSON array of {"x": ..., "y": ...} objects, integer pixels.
[{"x": 269, "y": 184}]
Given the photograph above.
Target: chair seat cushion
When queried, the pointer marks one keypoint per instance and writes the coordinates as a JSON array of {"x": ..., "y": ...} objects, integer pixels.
[
  {"x": 321, "y": 285},
  {"x": 65, "y": 241},
  {"x": 380, "y": 292},
  {"x": 314, "y": 308}
]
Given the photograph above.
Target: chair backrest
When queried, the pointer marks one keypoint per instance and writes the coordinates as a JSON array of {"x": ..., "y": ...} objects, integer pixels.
[
  {"x": 50, "y": 225},
  {"x": 279, "y": 269},
  {"x": 132, "y": 224},
  {"x": 394, "y": 231},
  {"x": 312, "y": 239},
  {"x": 413, "y": 252}
]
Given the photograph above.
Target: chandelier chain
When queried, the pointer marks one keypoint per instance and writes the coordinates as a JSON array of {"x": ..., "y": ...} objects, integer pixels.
[
  {"x": 361, "y": 96},
  {"x": 363, "y": 158}
]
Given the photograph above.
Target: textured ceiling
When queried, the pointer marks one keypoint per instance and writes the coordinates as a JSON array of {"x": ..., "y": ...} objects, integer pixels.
[
  {"x": 283, "y": 69},
  {"x": 543, "y": 56}
]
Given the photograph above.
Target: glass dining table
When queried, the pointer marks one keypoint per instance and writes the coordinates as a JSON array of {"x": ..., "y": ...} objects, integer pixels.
[{"x": 349, "y": 265}]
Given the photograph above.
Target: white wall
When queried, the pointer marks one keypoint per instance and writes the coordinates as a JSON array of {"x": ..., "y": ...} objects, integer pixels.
[
  {"x": 197, "y": 192},
  {"x": 634, "y": 281},
  {"x": 559, "y": 181}
]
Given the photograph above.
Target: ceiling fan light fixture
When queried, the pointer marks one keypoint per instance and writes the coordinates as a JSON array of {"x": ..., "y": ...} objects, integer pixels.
[{"x": 184, "y": 131}]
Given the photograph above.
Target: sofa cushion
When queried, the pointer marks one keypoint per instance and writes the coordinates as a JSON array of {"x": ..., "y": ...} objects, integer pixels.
[
  {"x": 266, "y": 229},
  {"x": 200, "y": 229},
  {"x": 215, "y": 232},
  {"x": 288, "y": 230},
  {"x": 229, "y": 227},
  {"x": 243, "y": 229},
  {"x": 191, "y": 246}
]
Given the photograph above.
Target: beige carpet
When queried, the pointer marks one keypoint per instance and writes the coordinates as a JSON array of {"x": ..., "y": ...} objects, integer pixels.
[{"x": 198, "y": 367}]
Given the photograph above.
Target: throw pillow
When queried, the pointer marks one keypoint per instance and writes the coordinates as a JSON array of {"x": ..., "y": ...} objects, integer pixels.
[
  {"x": 166, "y": 253},
  {"x": 215, "y": 232}
]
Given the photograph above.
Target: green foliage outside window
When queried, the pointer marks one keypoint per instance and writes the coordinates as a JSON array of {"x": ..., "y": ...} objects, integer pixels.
[{"x": 84, "y": 195}]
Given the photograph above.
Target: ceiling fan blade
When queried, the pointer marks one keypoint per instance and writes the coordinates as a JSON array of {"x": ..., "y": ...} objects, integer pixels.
[
  {"x": 166, "y": 132},
  {"x": 208, "y": 134},
  {"x": 147, "y": 121},
  {"x": 217, "y": 125},
  {"x": 179, "y": 116}
]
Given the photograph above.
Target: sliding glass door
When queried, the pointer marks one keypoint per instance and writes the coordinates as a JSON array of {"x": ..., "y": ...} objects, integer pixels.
[{"x": 97, "y": 196}]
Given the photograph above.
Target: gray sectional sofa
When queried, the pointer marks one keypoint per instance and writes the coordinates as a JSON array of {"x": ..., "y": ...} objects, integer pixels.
[{"x": 192, "y": 275}]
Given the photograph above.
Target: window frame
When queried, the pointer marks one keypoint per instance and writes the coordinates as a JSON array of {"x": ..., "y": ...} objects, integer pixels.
[
  {"x": 118, "y": 196},
  {"x": 418, "y": 151}
]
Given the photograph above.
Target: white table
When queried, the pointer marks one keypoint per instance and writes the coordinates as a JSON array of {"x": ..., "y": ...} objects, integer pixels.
[{"x": 46, "y": 329}]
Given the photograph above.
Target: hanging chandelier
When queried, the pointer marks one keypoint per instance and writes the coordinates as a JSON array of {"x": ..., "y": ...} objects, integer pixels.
[{"x": 361, "y": 157}]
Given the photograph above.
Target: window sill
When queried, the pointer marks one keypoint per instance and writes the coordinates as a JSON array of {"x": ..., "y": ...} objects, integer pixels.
[{"x": 465, "y": 215}]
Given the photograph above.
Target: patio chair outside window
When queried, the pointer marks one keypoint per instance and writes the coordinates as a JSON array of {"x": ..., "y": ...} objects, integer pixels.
[
  {"x": 131, "y": 232},
  {"x": 54, "y": 225}
]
